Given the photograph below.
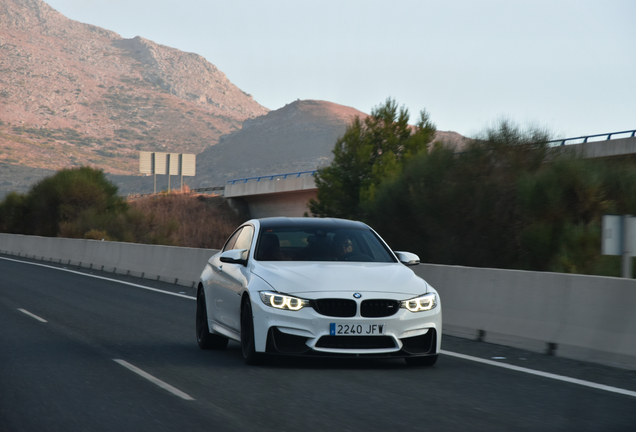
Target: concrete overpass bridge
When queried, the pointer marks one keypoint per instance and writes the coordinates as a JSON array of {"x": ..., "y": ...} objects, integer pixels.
[
  {"x": 289, "y": 194},
  {"x": 275, "y": 195},
  {"x": 602, "y": 145}
]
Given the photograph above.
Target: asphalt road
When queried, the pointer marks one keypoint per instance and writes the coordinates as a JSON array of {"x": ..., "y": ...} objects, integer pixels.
[{"x": 74, "y": 345}]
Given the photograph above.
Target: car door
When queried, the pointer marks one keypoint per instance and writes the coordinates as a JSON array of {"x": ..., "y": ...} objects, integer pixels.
[
  {"x": 216, "y": 278},
  {"x": 231, "y": 280}
]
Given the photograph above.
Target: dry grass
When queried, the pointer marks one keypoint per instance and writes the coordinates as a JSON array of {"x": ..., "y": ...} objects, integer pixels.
[{"x": 200, "y": 221}]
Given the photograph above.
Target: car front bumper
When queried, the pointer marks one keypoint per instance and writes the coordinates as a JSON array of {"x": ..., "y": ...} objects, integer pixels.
[{"x": 306, "y": 332}]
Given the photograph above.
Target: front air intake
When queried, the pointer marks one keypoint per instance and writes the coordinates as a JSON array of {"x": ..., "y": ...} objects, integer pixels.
[{"x": 356, "y": 342}]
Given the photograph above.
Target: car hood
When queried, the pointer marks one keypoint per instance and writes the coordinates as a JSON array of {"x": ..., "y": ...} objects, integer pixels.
[{"x": 303, "y": 278}]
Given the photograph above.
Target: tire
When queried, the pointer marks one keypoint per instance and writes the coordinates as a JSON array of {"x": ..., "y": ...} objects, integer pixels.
[
  {"x": 205, "y": 339},
  {"x": 250, "y": 355},
  {"x": 421, "y": 361}
]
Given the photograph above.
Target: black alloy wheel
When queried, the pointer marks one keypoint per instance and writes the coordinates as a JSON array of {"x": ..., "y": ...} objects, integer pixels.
[{"x": 205, "y": 339}]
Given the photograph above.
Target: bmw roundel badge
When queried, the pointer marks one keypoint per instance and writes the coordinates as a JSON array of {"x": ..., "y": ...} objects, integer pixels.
[{"x": 357, "y": 295}]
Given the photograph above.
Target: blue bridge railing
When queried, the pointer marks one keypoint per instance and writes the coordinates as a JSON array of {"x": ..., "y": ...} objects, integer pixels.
[
  {"x": 272, "y": 177},
  {"x": 584, "y": 139}
]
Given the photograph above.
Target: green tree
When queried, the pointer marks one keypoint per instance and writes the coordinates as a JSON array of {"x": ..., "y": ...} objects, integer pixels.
[
  {"x": 13, "y": 213},
  {"x": 461, "y": 208},
  {"x": 508, "y": 200},
  {"x": 82, "y": 203},
  {"x": 370, "y": 152},
  {"x": 69, "y": 203},
  {"x": 564, "y": 203}
]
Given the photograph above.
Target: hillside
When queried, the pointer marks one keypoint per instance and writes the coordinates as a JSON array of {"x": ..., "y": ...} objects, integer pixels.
[
  {"x": 75, "y": 94},
  {"x": 298, "y": 137}
]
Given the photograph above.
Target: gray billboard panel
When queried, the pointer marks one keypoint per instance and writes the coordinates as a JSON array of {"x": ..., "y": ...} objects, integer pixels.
[
  {"x": 619, "y": 235},
  {"x": 612, "y": 243},
  {"x": 188, "y": 165},
  {"x": 167, "y": 163},
  {"x": 173, "y": 163},
  {"x": 161, "y": 163},
  {"x": 145, "y": 162}
]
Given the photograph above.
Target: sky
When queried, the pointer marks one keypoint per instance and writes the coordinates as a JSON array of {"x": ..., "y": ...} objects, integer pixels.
[{"x": 562, "y": 65}]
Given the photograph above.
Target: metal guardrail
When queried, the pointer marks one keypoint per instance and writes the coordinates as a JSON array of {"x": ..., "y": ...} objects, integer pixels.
[
  {"x": 272, "y": 177},
  {"x": 586, "y": 138},
  {"x": 207, "y": 189}
]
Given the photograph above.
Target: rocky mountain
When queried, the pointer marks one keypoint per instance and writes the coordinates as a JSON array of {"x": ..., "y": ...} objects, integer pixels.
[
  {"x": 298, "y": 137},
  {"x": 74, "y": 94}
]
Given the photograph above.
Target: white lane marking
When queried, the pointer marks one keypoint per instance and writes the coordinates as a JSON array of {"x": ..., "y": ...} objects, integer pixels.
[
  {"x": 103, "y": 278},
  {"x": 154, "y": 380},
  {"x": 543, "y": 374},
  {"x": 32, "y": 315}
]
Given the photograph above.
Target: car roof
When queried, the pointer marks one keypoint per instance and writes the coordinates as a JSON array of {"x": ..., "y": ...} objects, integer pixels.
[{"x": 327, "y": 223}]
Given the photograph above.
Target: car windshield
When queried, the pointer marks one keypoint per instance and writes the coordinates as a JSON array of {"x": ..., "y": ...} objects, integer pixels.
[{"x": 311, "y": 243}]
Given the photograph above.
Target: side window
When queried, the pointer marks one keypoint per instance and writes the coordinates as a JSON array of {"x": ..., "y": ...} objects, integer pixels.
[
  {"x": 229, "y": 245},
  {"x": 244, "y": 240}
]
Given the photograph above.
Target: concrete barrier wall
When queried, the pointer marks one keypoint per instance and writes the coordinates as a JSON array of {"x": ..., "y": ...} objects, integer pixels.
[
  {"x": 178, "y": 265},
  {"x": 581, "y": 317}
]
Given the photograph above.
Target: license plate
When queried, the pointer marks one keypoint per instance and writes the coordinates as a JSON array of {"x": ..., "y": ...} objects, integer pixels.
[{"x": 339, "y": 329}]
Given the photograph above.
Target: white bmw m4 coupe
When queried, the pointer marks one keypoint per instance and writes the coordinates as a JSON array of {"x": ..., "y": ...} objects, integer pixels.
[{"x": 316, "y": 287}]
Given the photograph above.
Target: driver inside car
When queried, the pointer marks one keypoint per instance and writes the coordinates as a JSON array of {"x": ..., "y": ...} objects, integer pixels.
[{"x": 341, "y": 245}]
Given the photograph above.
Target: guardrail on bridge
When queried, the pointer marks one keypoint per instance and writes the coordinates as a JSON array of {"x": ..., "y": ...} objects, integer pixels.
[
  {"x": 272, "y": 177},
  {"x": 585, "y": 139}
]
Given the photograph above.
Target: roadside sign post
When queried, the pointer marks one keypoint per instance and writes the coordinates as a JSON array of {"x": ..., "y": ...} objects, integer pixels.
[
  {"x": 619, "y": 238},
  {"x": 167, "y": 163}
]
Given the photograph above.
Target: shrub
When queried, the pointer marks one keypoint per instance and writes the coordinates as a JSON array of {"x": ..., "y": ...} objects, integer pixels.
[
  {"x": 68, "y": 197},
  {"x": 507, "y": 201},
  {"x": 196, "y": 221}
]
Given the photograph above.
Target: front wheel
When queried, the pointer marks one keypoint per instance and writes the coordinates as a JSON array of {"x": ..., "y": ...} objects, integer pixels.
[
  {"x": 421, "y": 361},
  {"x": 250, "y": 355},
  {"x": 205, "y": 339}
]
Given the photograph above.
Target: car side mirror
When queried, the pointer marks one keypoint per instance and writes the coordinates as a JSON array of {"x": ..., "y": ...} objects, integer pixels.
[
  {"x": 408, "y": 258},
  {"x": 235, "y": 256}
]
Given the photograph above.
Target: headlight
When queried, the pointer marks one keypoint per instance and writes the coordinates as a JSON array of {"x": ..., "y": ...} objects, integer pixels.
[
  {"x": 281, "y": 301},
  {"x": 422, "y": 303}
]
